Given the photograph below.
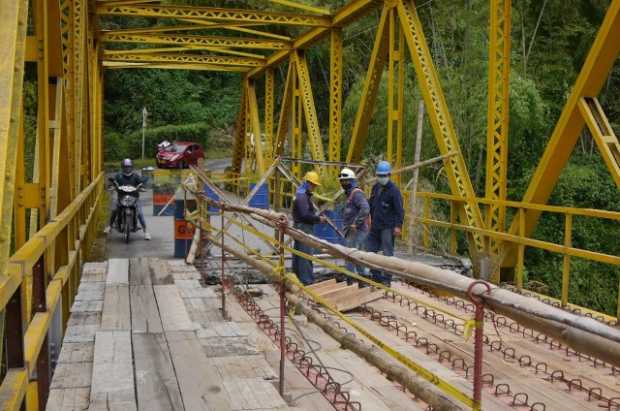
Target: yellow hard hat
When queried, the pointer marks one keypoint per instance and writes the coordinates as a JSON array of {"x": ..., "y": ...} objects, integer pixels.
[{"x": 313, "y": 177}]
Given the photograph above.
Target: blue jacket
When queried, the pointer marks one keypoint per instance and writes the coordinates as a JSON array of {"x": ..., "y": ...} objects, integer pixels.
[
  {"x": 356, "y": 208},
  {"x": 303, "y": 210},
  {"x": 386, "y": 206}
]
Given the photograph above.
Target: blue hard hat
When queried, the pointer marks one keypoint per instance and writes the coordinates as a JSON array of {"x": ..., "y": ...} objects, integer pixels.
[{"x": 383, "y": 168}]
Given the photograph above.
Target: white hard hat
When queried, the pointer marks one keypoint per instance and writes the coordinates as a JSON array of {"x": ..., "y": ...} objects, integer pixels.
[{"x": 346, "y": 174}]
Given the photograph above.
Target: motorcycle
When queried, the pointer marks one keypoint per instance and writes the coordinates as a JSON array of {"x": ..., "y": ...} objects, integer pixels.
[{"x": 126, "y": 221}]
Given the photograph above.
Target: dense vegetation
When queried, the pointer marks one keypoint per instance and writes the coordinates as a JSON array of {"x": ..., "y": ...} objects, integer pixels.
[{"x": 550, "y": 42}]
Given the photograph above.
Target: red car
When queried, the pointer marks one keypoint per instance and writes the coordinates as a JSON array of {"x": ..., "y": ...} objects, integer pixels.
[{"x": 180, "y": 154}]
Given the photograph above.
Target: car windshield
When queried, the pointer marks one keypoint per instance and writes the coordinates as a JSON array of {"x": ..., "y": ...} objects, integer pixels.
[{"x": 178, "y": 148}]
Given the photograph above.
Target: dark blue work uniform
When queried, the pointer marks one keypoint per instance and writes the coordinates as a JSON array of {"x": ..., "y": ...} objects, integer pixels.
[
  {"x": 387, "y": 213},
  {"x": 304, "y": 217}
]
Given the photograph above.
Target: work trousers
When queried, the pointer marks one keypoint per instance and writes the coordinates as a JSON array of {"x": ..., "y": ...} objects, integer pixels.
[
  {"x": 381, "y": 240},
  {"x": 356, "y": 239},
  {"x": 303, "y": 267}
]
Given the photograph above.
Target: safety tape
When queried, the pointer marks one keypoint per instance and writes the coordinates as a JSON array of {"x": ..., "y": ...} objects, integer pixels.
[
  {"x": 351, "y": 274},
  {"x": 440, "y": 383}
]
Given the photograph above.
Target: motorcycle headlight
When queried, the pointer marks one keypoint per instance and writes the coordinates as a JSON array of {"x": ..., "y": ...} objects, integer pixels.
[{"x": 128, "y": 201}]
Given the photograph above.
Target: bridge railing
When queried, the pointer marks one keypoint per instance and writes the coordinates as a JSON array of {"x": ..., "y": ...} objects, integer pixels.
[
  {"x": 34, "y": 289},
  {"x": 428, "y": 219}
]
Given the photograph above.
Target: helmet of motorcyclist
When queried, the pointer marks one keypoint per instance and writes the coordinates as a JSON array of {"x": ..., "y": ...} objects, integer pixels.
[
  {"x": 383, "y": 169},
  {"x": 127, "y": 166},
  {"x": 346, "y": 174}
]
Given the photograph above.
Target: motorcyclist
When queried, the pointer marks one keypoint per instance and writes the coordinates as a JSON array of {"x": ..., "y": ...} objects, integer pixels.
[{"x": 128, "y": 177}]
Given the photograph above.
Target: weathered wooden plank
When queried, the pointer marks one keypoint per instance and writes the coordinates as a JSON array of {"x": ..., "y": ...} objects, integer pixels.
[
  {"x": 90, "y": 291},
  {"x": 113, "y": 380},
  {"x": 82, "y": 327},
  {"x": 116, "y": 314},
  {"x": 87, "y": 306},
  {"x": 363, "y": 296},
  {"x": 144, "y": 311},
  {"x": 72, "y": 375},
  {"x": 76, "y": 352},
  {"x": 68, "y": 399},
  {"x": 201, "y": 386},
  {"x": 174, "y": 316},
  {"x": 193, "y": 289},
  {"x": 244, "y": 366},
  {"x": 156, "y": 383},
  {"x": 343, "y": 290},
  {"x": 118, "y": 271},
  {"x": 140, "y": 271},
  {"x": 203, "y": 311},
  {"x": 319, "y": 285},
  {"x": 160, "y": 273},
  {"x": 94, "y": 267}
]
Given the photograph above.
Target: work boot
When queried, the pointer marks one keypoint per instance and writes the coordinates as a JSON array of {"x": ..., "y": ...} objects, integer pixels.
[
  {"x": 147, "y": 235},
  {"x": 107, "y": 230}
]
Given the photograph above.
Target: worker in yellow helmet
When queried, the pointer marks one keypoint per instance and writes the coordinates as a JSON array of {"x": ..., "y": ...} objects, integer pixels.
[{"x": 305, "y": 216}]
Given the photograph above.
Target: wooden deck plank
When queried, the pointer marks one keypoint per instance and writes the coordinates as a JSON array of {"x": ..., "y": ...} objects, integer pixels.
[
  {"x": 174, "y": 315},
  {"x": 89, "y": 291},
  {"x": 72, "y": 375},
  {"x": 113, "y": 385},
  {"x": 116, "y": 312},
  {"x": 76, "y": 352},
  {"x": 317, "y": 286},
  {"x": 140, "y": 271},
  {"x": 156, "y": 384},
  {"x": 144, "y": 311},
  {"x": 118, "y": 271},
  {"x": 87, "y": 306},
  {"x": 68, "y": 399},
  {"x": 201, "y": 387}
]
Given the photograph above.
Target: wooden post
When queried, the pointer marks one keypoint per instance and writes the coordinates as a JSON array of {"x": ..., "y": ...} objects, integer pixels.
[{"x": 416, "y": 173}]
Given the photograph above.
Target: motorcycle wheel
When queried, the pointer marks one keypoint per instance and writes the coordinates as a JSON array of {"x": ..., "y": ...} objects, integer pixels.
[{"x": 127, "y": 229}]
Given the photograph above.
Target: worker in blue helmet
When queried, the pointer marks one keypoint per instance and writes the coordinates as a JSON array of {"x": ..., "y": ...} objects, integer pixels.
[{"x": 387, "y": 214}]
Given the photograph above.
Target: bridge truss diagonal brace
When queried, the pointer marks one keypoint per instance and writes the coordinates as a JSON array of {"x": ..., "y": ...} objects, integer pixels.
[
  {"x": 441, "y": 121},
  {"x": 187, "y": 40},
  {"x": 603, "y": 134},
  {"x": 335, "y": 95},
  {"x": 214, "y": 14},
  {"x": 284, "y": 121},
  {"x": 12, "y": 55},
  {"x": 312, "y": 122},
  {"x": 240, "y": 134},
  {"x": 593, "y": 75},
  {"x": 498, "y": 113},
  {"x": 184, "y": 58},
  {"x": 366, "y": 108},
  {"x": 255, "y": 126}
]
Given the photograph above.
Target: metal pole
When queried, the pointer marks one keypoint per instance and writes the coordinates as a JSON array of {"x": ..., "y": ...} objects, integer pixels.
[
  {"x": 282, "y": 311},
  {"x": 223, "y": 260},
  {"x": 144, "y": 116},
  {"x": 478, "y": 341}
]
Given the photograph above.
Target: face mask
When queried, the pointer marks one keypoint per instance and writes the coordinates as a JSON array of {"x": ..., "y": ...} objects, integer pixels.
[
  {"x": 383, "y": 180},
  {"x": 345, "y": 185}
]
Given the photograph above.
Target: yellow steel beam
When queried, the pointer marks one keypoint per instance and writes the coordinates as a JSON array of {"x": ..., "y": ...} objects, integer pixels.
[
  {"x": 13, "y": 15},
  {"x": 371, "y": 86},
  {"x": 214, "y": 14},
  {"x": 603, "y": 134},
  {"x": 240, "y": 133},
  {"x": 350, "y": 11},
  {"x": 244, "y": 29},
  {"x": 593, "y": 75},
  {"x": 212, "y": 41},
  {"x": 441, "y": 121},
  {"x": 498, "y": 112},
  {"x": 184, "y": 48},
  {"x": 256, "y": 129},
  {"x": 185, "y": 58},
  {"x": 335, "y": 95},
  {"x": 269, "y": 108},
  {"x": 312, "y": 122},
  {"x": 304, "y": 7},
  {"x": 285, "y": 111},
  {"x": 172, "y": 66}
]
